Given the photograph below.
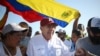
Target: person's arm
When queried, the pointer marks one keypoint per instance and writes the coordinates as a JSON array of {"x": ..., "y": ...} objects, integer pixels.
[
  {"x": 3, "y": 20},
  {"x": 76, "y": 22}
]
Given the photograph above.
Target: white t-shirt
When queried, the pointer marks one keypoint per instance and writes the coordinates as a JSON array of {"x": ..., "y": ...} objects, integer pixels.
[
  {"x": 24, "y": 41},
  {"x": 2, "y": 52},
  {"x": 68, "y": 43},
  {"x": 38, "y": 46},
  {"x": 86, "y": 44}
]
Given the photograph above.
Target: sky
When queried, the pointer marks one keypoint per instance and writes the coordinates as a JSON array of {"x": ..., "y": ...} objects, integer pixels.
[{"x": 87, "y": 9}]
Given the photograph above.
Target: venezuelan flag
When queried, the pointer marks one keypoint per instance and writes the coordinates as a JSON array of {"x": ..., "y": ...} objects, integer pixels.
[
  {"x": 27, "y": 13},
  {"x": 63, "y": 14},
  {"x": 59, "y": 22}
]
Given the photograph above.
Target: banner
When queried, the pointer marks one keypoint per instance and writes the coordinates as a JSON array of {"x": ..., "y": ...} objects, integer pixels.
[
  {"x": 27, "y": 13},
  {"x": 52, "y": 9}
]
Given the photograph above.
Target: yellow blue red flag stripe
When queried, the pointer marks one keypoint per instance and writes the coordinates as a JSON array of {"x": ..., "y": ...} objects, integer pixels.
[{"x": 52, "y": 9}]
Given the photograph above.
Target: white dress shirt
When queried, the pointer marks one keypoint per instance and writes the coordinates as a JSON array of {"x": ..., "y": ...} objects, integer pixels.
[{"x": 38, "y": 46}]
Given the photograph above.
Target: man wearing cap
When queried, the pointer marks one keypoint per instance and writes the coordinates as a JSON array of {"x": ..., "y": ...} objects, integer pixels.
[
  {"x": 62, "y": 35},
  {"x": 11, "y": 35},
  {"x": 46, "y": 44},
  {"x": 92, "y": 42}
]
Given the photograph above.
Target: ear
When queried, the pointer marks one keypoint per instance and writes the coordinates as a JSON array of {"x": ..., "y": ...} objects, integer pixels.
[
  {"x": 40, "y": 28},
  {"x": 88, "y": 29}
]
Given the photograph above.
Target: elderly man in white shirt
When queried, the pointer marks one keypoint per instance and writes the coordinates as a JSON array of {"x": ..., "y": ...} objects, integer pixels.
[{"x": 46, "y": 44}]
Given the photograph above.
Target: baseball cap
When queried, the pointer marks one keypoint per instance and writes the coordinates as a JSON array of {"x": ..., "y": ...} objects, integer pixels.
[
  {"x": 12, "y": 27},
  {"x": 61, "y": 31},
  {"x": 47, "y": 22},
  {"x": 94, "y": 24}
]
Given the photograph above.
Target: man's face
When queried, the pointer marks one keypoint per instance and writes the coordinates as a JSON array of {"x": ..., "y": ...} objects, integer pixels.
[
  {"x": 48, "y": 31},
  {"x": 94, "y": 36},
  {"x": 62, "y": 36},
  {"x": 74, "y": 37},
  {"x": 14, "y": 39}
]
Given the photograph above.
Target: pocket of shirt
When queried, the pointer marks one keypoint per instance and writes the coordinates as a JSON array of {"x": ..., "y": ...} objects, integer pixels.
[
  {"x": 41, "y": 51},
  {"x": 58, "y": 50}
]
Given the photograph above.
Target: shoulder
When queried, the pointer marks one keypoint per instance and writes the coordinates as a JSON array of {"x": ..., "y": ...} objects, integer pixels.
[
  {"x": 82, "y": 39},
  {"x": 1, "y": 45},
  {"x": 61, "y": 43},
  {"x": 37, "y": 37},
  {"x": 1, "y": 49},
  {"x": 67, "y": 41},
  {"x": 55, "y": 37},
  {"x": 18, "y": 51},
  {"x": 81, "y": 42}
]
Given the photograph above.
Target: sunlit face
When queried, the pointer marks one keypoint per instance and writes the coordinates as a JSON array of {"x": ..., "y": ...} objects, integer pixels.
[
  {"x": 75, "y": 37},
  {"x": 62, "y": 36},
  {"x": 48, "y": 31},
  {"x": 14, "y": 39}
]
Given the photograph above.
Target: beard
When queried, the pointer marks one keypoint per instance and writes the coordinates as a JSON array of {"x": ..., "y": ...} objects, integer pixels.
[{"x": 95, "y": 40}]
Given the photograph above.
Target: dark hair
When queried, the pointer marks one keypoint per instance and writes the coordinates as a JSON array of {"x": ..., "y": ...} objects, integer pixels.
[
  {"x": 30, "y": 31},
  {"x": 37, "y": 33},
  {"x": 2, "y": 36},
  {"x": 23, "y": 24},
  {"x": 80, "y": 26},
  {"x": 77, "y": 32}
]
